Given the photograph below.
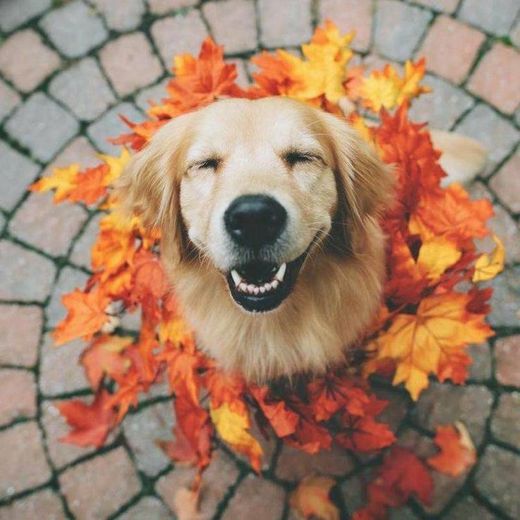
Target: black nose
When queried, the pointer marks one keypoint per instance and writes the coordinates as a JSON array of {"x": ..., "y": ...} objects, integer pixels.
[{"x": 255, "y": 220}]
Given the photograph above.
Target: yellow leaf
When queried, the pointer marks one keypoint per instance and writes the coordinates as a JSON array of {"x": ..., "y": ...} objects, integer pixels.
[
  {"x": 232, "y": 427},
  {"x": 489, "y": 265},
  {"x": 387, "y": 89},
  {"x": 62, "y": 180},
  {"x": 417, "y": 342},
  {"x": 436, "y": 255},
  {"x": 311, "y": 498},
  {"x": 116, "y": 165}
]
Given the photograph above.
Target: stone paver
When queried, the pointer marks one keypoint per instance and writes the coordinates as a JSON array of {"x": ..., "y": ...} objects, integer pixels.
[
  {"x": 505, "y": 425},
  {"x": 129, "y": 63},
  {"x": 147, "y": 508},
  {"x": 42, "y": 126},
  {"x": 121, "y": 16},
  {"x": 24, "y": 275},
  {"x": 9, "y": 100},
  {"x": 74, "y": 28},
  {"x": 450, "y": 48},
  {"x": 110, "y": 126},
  {"x": 20, "y": 329},
  {"x": 412, "y": 21},
  {"x": 497, "y": 475},
  {"x": 44, "y": 504},
  {"x": 18, "y": 391},
  {"x": 284, "y": 24},
  {"x": 14, "y": 14},
  {"x": 497, "y": 78},
  {"x": 506, "y": 183},
  {"x": 17, "y": 173},
  {"x": 26, "y": 60},
  {"x": 45, "y": 225},
  {"x": 351, "y": 15},
  {"x": 256, "y": 499},
  {"x": 142, "y": 431},
  {"x": 83, "y": 89},
  {"x": 23, "y": 460},
  {"x": 189, "y": 32},
  {"x": 495, "y": 17},
  {"x": 507, "y": 355},
  {"x": 494, "y": 132},
  {"x": 239, "y": 14},
  {"x": 60, "y": 372},
  {"x": 442, "y": 107},
  {"x": 67, "y": 70},
  {"x": 99, "y": 487}
]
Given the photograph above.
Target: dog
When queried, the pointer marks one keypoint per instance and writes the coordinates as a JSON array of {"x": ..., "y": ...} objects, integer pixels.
[{"x": 269, "y": 215}]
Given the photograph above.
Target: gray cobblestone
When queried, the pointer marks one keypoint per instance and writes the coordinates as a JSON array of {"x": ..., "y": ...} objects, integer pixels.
[
  {"x": 493, "y": 131},
  {"x": 17, "y": 12},
  {"x": 74, "y": 28},
  {"x": 24, "y": 275},
  {"x": 18, "y": 391},
  {"x": 189, "y": 32},
  {"x": 505, "y": 306},
  {"x": 167, "y": 6},
  {"x": 121, "y": 16},
  {"x": 442, "y": 107},
  {"x": 44, "y": 504},
  {"x": 495, "y": 17},
  {"x": 412, "y": 22},
  {"x": 154, "y": 95},
  {"x": 468, "y": 508},
  {"x": 42, "y": 126},
  {"x": 284, "y": 24},
  {"x": 83, "y": 89},
  {"x": 480, "y": 369},
  {"x": 148, "y": 508},
  {"x": 110, "y": 126},
  {"x": 9, "y": 100},
  {"x": 17, "y": 172},
  {"x": 505, "y": 425},
  {"x": 506, "y": 183},
  {"x": 497, "y": 478},
  {"x": 81, "y": 252}
]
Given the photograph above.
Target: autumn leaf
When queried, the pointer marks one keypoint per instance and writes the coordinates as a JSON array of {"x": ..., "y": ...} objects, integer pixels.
[
  {"x": 311, "y": 499},
  {"x": 86, "y": 315},
  {"x": 90, "y": 424},
  {"x": 283, "y": 420},
  {"x": 233, "y": 429},
  {"x": 103, "y": 356},
  {"x": 417, "y": 341},
  {"x": 457, "y": 453},
  {"x": 489, "y": 265},
  {"x": 62, "y": 181}
]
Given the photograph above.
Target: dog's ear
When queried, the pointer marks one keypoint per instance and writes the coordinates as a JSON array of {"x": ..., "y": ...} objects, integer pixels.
[
  {"x": 364, "y": 183},
  {"x": 149, "y": 186}
]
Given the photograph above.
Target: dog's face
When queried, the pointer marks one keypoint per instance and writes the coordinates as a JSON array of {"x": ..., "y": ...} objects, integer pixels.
[{"x": 251, "y": 188}]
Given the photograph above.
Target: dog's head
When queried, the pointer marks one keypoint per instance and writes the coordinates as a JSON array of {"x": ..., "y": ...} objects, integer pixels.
[{"x": 254, "y": 187}]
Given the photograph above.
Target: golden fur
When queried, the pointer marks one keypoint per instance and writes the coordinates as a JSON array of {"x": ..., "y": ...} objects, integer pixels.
[{"x": 333, "y": 206}]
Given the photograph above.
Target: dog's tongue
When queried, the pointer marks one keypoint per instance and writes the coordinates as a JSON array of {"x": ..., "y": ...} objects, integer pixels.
[{"x": 258, "y": 272}]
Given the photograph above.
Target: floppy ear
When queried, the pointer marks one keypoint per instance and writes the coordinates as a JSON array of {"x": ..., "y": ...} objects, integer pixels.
[
  {"x": 149, "y": 186},
  {"x": 364, "y": 183}
]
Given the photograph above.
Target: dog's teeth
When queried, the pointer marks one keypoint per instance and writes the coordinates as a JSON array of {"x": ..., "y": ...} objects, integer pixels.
[
  {"x": 236, "y": 277},
  {"x": 243, "y": 287},
  {"x": 281, "y": 272},
  {"x": 251, "y": 288},
  {"x": 262, "y": 289},
  {"x": 256, "y": 290},
  {"x": 274, "y": 284},
  {"x": 267, "y": 287}
]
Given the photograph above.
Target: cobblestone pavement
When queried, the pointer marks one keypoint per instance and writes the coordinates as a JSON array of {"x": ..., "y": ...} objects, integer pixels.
[{"x": 66, "y": 70}]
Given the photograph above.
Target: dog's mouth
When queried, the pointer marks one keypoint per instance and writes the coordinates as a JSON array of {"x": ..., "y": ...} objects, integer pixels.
[{"x": 262, "y": 286}]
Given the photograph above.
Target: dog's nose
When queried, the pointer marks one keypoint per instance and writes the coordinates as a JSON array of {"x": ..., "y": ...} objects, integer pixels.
[{"x": 255, "y": 220}]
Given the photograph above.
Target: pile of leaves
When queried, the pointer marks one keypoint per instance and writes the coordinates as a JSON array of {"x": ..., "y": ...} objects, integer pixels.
[{"x": 433, "y": 305}]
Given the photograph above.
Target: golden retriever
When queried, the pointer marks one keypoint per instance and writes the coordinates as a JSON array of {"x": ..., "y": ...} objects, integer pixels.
[{"x": 269, "y": 217}]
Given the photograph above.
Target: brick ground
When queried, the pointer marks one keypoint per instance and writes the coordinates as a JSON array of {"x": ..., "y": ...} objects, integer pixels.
[{"x": 67, "y": 69}]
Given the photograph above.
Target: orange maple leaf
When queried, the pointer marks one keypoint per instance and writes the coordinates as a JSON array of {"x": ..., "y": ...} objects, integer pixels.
[
  {"x": 457, "y": 452},
  {"x": 86, "y": 315},
  {"x": 90, "y": 424},
  {"x": 311, "y": 499}
]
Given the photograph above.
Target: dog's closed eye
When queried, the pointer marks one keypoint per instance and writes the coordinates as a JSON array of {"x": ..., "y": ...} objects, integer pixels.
[
  {"x": 293, "y": 157},
  {"x": 211, "y": 163}
]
